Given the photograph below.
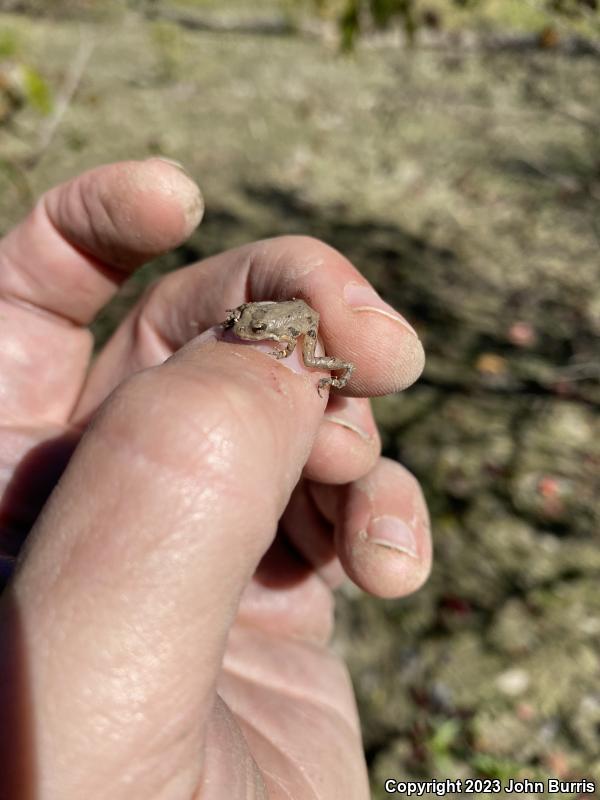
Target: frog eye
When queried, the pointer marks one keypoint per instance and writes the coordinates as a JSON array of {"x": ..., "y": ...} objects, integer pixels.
[{"x": 259, "y": 326}]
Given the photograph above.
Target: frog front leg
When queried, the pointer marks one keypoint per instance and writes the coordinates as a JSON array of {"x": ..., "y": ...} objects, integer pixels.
[
  {"x": 290, "y": 346},
  {"x": 325, "y": 362}
]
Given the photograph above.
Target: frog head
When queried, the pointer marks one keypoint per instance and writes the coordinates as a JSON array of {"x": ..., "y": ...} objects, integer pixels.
[{"x": 253, "y": 321}]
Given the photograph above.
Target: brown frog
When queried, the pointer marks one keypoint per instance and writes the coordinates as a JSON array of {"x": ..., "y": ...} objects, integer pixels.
[{"x": 286, "y": 322}]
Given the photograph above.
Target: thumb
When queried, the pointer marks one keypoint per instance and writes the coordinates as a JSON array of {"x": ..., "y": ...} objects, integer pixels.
[{"x": 117, "y": 619}]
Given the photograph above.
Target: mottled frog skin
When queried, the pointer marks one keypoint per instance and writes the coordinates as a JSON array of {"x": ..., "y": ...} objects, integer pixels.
[{"x": 286, "y": 322}]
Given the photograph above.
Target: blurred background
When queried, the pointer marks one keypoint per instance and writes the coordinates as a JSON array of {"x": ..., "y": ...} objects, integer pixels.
[{"x": 451, "y": 149}]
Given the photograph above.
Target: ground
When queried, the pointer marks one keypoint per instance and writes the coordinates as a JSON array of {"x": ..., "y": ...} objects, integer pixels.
[{"x": 465, "y": 184}]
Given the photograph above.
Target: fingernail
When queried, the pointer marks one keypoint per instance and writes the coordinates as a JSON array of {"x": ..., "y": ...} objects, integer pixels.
[
  {"x": 394, "y": 533},
  {"x": 364, "y": 298},
  {"x": 345, "y": 423},
  {"x": 173, "y": 163},
  {"x": 350, "y": 414}
]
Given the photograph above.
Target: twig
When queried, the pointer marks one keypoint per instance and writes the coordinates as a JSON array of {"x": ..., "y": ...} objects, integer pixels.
[{"x": 65, "y": 96}]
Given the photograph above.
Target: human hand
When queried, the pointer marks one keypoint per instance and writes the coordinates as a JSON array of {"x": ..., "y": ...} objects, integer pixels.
[{"x": 165, "y": 633}]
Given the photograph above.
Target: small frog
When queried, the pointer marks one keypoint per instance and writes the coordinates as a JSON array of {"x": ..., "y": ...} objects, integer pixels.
[{"x": 285, "y": 322}]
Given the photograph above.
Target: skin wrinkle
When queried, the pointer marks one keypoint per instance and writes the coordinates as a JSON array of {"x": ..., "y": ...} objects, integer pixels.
[
  {"x": 106, "y": 221},
  {"x": 98, "y": 219},
  {"x": 337, "y": 675},
  {"x": 101, "y": 272},
  {"x": 278, "y": 782},
  {"x": 222, "y": 723},
  {"x": 64, "y": 241},
  {"x": 144, "y": 326},
  {"x": 172, "y": 310},
  {"x": 101, "y": 267},
  {"x": 249, "y": 266},
  {"x": 22, "y": 304},
  {"x": 243, "y": 676},
  {"x": 14, "y": 268},
  {"x": 302, "y": 766},
  {"x": 289, "y": 759}
]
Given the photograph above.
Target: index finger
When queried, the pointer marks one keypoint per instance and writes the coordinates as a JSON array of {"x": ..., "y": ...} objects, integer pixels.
[{"x": 355, "y": 323}]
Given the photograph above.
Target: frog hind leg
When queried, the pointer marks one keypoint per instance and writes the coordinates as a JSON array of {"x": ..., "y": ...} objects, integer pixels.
[{"x": 325, "y": 362}]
